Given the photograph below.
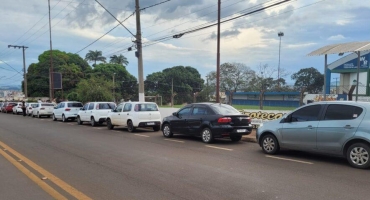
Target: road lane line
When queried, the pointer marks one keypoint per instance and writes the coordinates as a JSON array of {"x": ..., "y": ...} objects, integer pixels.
[
  {"x": 226, "y": 149},
  {"x": 47, "y": 188},
  {"x": 292, "y": 160},
  {"x": 175, "y": 140},
  {"x": 57, "y": 181},
  {"x": 142, "y": 135}
]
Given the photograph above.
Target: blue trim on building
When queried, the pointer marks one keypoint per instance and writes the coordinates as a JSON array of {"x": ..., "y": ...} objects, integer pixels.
[
  {"x": 266, "y": 93},
  {"x": 266, "y": 103},
  {"x": 328, "y": 81}
]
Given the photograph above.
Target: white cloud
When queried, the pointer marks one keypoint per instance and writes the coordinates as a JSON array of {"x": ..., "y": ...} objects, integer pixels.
[{"x": 336, "y": 37}]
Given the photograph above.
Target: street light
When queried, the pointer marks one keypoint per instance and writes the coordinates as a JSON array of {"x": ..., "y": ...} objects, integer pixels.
[{"x": 280, "y": 34}]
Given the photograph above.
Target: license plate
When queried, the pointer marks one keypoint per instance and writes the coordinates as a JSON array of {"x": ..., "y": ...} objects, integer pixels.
[
  {"x": 150, "y": 123},
  {"x": 241, "y": 130}
]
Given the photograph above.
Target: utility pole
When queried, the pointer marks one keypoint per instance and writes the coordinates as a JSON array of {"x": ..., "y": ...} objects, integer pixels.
[
  {"x": 280, "y": 34},
  {"x": 139, "y": 53},
  {"x": 51, "y": 71},
  {"x": 114, "y": 98},
  {"x": 24, "y": 69},
  {"x": 218, "y": 54},
  {"x": 172, "y": 94}
]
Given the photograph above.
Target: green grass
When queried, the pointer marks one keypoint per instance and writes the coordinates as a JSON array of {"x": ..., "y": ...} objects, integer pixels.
[{"x": 247, "y": 107}]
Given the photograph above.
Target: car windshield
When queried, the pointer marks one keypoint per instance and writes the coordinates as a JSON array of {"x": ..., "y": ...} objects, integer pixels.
[
  {"x": 224, "y": 109},
  {"x": 75, "y": 105},
  {"x": 146, "y": 107},
  {"x": 106, "y": 106},
  {"x": 47, "y": 104}
]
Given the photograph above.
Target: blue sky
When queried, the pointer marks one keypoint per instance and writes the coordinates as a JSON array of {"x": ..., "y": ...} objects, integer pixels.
[{"x": 252, "y": 40}]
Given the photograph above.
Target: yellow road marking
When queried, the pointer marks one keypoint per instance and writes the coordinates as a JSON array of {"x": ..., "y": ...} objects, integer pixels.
[
  {"x": 292, "y": 160},
  {"x": 142, "y": 135},
  {"x": 226, "y": 149},
  {"x": 57, "y": 181},
  {"x": 174, "y": 140},
  {"x": 33, "y": 177}
]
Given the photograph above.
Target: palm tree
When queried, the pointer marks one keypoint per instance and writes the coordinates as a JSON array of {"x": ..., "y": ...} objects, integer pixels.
[
  {"x": 94, "y": 56},
  {"x": 122, "y": 60}
]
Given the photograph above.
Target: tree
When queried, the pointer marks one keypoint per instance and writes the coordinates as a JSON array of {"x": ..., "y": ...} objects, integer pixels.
[
  {"x": 94, "y": 89},
  {"x": 120, "y": 59},
  {"x": 94, "y": 56},
  {"x": 310, "y": 79}
]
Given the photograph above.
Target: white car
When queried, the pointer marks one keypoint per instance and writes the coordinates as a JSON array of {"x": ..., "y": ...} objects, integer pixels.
[
  {"x": 17, "y": 109},
  {"x": 29, "y": 107},
  {"x": 95, "y": 112},
  {"x": 135, "y": 114},
  {"x": 42, "y": 109},
  {"x": 66, "y": 110}
]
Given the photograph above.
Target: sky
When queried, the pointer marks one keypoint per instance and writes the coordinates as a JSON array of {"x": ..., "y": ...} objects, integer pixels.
[{"x": 252, "y": 39}]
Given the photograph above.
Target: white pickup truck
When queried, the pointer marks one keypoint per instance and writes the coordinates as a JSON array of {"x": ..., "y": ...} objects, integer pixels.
[{"x": 95, "y": 112}]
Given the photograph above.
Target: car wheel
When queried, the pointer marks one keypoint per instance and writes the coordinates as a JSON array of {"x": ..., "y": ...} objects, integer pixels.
[
  {"x": 167, "y": 131},
  {"x": 207, "y": 136},
  {"x": 156, "y": 128},
  {"x": 92, "y": 121},
  {"x": 358, "y": 155},
  {"x": 64, "y": 118},
  {"x": 109, "y": 124},
  {"x": 54, "y": 118},
  {"x": 236, "y": 138},
  {"x": 130, "y": 126},
  {"x": 79, "y": 122},
  {"x": 270, "y": 144}
]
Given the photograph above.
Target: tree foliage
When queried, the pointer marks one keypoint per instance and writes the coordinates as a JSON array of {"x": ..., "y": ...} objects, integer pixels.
[
  {"x": 310, "y": 79},
  {"x": 94, "y": 89},
  {"x": 94, "y": 56},
  {"x": 119, "y": 59}
]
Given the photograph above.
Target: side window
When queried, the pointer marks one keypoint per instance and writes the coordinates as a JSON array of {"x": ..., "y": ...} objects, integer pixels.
[
  {"x": 119, "y": 107},
  {"x": 91, "y": 106},
  {"x": 184, "y": 111},
  {"x": 308, "y": 113},
  {"x": 127, "y": 107},
  {"x": 85, "y": 106},
  {"x": 200, "y": 111},
  {"x": 61, "y": 105},
  {"x": 342, "y": 112}
]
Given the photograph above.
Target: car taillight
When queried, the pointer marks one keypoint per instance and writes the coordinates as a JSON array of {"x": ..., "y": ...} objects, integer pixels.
[
  {"x": 42, "y": 108},
  {"x": 224, "y": 120},
  {"x": 249, "y": 120},
  {"x": 67, "y": 109},
  {"x": 97, "y": 107}
]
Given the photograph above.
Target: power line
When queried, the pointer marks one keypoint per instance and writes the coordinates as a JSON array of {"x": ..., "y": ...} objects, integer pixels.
[
  {"x": 10, "y": 66},
  {"x": 154, "y": 5}
]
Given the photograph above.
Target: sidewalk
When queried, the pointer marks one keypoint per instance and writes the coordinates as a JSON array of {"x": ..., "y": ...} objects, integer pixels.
[{"x": 251, "y": 137}]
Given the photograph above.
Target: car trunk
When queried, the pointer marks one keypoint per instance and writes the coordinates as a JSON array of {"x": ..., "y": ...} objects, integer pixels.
[{"x": 239, "y": 120}]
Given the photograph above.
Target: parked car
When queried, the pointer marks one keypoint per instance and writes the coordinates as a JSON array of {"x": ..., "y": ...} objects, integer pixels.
[
  {"x": 17, "y": 108},
  {"x": 42, "y": 109},
  {"x": 8, "y": 107},
  {"x": 66, "y": 110},
  {"x": 29, "y": 107},
  {"x": 1, "y": 105},
  {"x": 209, "y": 121},
  {"x": 338, "y": 128},
  {"x": 135, "y": 114},
  {"x": 95, "y": 112}
]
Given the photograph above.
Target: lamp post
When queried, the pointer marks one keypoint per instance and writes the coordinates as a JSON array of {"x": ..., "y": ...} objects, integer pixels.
[{"x": 280, "y": 34}]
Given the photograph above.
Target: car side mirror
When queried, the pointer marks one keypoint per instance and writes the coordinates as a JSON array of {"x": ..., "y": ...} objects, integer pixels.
[
  {"x": 174, "y": 114},
  {"x": 55, "y": 107}
]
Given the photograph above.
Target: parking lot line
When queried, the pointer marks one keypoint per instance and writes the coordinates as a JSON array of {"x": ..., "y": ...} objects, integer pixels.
[
  {"x": 226, "y": 149},
  {"x": 142, "y": 135},
  {"x": 175, "y": 140},
  {"x": 292, "y": 160}
]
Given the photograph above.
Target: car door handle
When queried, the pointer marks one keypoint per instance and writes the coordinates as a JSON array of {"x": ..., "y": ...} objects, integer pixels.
[
  {"x": 310, "y": 127},
  {"x": 128, "y": 114},
  {"x": 119, "y": 114},
  {"x": 348, "y": 127}
]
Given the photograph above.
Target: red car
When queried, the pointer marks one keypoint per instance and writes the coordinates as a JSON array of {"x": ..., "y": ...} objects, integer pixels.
[{"x": 8, "y": 107}]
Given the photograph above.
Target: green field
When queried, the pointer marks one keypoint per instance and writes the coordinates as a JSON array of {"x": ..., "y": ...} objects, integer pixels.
[{"x": 249, "y": 107}]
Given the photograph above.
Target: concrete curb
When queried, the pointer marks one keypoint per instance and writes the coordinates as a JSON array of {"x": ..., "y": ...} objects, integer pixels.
[{"x": 249, "y": 139}]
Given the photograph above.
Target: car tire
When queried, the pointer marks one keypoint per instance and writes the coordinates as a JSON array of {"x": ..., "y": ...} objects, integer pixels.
[
  {"x": 270, "y": 144},
  {"x": 92, "y": 122},
  {"x": 64, "y": 118},
  {"x": 236, "y": 138},
  {"x": 207, "y": 136},
  {"x": 79, "y": 122},
  {"x": 109, "y": 124},
  {"x": 130, "y": 126},
  {"x": 156, "y": 128},
  {"x": 166, "y": 130},
  {"x": 358, "y": 155},
  {"x": 54, "y": 118}
]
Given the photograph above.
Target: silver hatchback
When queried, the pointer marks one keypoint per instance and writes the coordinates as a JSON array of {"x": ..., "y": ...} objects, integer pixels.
[{"x": 340, "y": 128}]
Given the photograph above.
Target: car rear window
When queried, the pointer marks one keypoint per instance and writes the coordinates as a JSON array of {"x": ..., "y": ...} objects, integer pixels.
[
  {"x": 146, "y": 107},
  {"x": 224, "y": 109},
  {"x": 47, "y": 104},
  {"x": 106, "y": 106},
  {"x": 74, "y": 105}
]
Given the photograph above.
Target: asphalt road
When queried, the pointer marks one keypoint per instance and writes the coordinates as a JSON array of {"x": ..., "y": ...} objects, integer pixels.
[{"x": 80, "y": 161}]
